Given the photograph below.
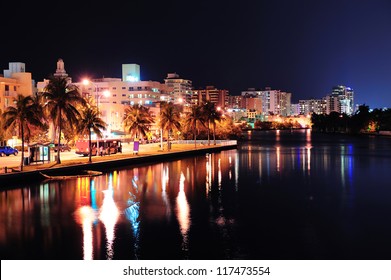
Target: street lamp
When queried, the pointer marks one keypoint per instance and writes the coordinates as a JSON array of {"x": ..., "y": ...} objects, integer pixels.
[{"x": 105, "y": 93}]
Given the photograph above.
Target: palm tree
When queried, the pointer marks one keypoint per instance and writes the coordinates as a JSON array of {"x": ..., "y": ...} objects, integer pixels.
[
  {"x": 61, "y": 99},
  {"x": 206, "y": 108},
  {"x": 25, "y": 113},
  {"x": 194, "y": 117},
  {"x": 90, "y": 122},
  {"x": 211, "y": 115},
  {"x": 214, "y": 116},
  {"x": 169, "y": 119},
  {"x": 137, "y": 120}
]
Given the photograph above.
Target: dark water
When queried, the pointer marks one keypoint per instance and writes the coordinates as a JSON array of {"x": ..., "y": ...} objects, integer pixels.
[{"x": 282, "y": 195}]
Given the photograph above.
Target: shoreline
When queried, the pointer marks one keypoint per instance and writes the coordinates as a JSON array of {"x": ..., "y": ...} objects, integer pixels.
[{"x": 33, "y": 172}]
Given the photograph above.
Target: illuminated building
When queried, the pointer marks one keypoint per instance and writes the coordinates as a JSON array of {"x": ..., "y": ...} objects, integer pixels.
[
  {"x": 274, "y": 102},
  {"x": 14, "y": 81},
  {"x": 181, "y": 89},
  {"x": 341, "y": 100},
  {"x": 219, "y": 97},
  {"x": 122, "y": 92},
  {"x": 235, "y": 101},
  {"x": 308, "y": 106},
  {"x": 130, "y": 72}
]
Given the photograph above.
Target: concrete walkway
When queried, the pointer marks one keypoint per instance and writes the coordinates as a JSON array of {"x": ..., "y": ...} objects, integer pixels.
[{"x": 146, "y": 154}]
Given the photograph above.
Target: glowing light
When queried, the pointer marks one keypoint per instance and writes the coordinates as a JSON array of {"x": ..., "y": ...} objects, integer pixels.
[
  {"x": 308, "y": 135},
  {"x": 219, "y": 173},
  {"x": 230, "y": 163},
  {"x": 132, "y": 213},
  {"x": 208, "y": 179},
  {"x": 308, "y": 147},
  {"x": 131, "y": 78},
  {"x": 183, "y": 211},
  {"x": 165, "y": 177},
  {"x": 86, "y": 216},
  {"x": 106, "y": 93},
  {"x": 109, "y": 215}
]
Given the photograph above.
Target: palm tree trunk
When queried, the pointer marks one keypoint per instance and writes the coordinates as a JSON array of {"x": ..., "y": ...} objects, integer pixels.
[
  {"x": 214, "y": 133},
  {"x": 168, "y": 140},
  {"x": 195, "y": 137},
  {"x": 89, "y": 146},
  {"x": 22, "y": 136},
  {"x": 59, "y": 137},
  {"x": 208, "y": 132},
  {"x": 161, "y": 139}
]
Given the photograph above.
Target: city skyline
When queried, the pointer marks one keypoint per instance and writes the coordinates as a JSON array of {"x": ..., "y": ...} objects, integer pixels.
[{"x": 295, "y": 47}]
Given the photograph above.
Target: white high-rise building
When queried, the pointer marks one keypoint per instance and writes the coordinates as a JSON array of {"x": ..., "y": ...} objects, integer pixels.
[
  {"x": 181, "y": 89},
  {"x": 341, "y": 100},
  {"x": 274, "y": 102}
]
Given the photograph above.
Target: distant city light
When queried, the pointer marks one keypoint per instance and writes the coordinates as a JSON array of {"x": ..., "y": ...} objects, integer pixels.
[{"x": 131, "y": 78}]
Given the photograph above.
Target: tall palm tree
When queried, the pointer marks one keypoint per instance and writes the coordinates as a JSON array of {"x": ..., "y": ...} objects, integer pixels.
[
  {"x": 169, "y": 119},
  {"x": 26, "y": 112},
  {"x": 213, "y": 116},
  {"x": 194, "y": 117},
  {"x": 60, "y": 101},
  {"x": 90, "y": 122},
  {"x": 207, "y": 109},
  {"x": 137, "y": 120}
]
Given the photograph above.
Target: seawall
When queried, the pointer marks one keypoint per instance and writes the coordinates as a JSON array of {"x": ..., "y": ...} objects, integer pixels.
[{"x": 11, "y": 179}]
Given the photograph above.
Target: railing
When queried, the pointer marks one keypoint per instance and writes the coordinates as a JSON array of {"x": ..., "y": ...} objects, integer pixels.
[{"x": 205, "y": 142}]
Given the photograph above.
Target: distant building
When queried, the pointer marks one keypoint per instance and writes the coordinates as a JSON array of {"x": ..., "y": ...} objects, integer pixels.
[
  {"x": 60, "y": 71},
  {"x": 253, "y": 103},
  {"x": 341, "y": 100},
  {"x": 273, "y": 102},
  {"x": 15, "y": 81},
  {"x": 295, "y": 109},
  {"x": 219, "y": 97},
  {"x": 181, "y": 89},
  {"x": 235, "y": 101},
  {"x": 308, "y": 106}
]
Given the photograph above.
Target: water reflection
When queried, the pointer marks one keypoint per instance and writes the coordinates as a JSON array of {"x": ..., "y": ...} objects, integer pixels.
[
  {"x": 86, "y": 216},
  {"x": 278, "y": 158},
  {"x": 109, "y": 214},
  {"x": 44, "y": 193},
  {"x": 165, "y": 178},
  {"x": 308, "y": 148},
  {"x": 208, "y": 168},
  {"x": 183, "y": 212},
  {"x": 132, "y": 212},
  {"x": 219, "y": 205}
]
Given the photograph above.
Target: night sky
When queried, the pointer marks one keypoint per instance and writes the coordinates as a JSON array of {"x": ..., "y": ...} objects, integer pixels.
[{"x": 302, "y": 47}]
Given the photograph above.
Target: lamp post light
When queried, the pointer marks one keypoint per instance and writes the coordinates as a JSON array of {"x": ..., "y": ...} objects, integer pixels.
[{"x": 105, "y": 93}]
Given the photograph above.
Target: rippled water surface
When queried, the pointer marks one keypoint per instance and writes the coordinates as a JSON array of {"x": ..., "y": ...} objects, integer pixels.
[{"x": 280, "y": 195}]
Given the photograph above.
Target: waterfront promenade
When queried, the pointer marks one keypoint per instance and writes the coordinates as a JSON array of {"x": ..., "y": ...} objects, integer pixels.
[{"x": 147, "y": 153}]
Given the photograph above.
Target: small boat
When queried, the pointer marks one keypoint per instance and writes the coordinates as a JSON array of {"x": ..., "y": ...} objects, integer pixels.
[{"x": 84, "y": 173}]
